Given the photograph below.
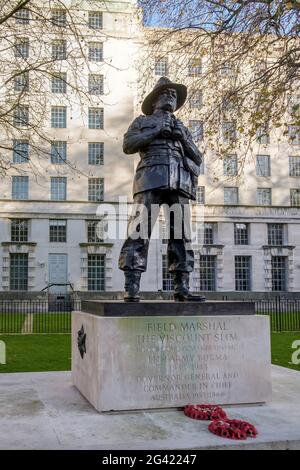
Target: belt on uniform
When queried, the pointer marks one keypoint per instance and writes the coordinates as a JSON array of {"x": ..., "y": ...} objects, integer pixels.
[{"x": 162, "y": 152}]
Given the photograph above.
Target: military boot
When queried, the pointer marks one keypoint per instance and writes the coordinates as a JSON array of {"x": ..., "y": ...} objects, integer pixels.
[
  {"x": 132, "y": 286},
  {"x": 181, "y": 288}
]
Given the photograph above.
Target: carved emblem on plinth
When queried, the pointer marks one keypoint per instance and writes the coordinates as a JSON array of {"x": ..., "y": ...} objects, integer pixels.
[{"x": 81, "y": 341}]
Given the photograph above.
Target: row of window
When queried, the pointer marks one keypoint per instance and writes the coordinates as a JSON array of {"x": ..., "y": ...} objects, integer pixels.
[
  {"x": 196, "y": 102},
  {"x": 207, "y": 272},
  {"x": 194, "y": 67},
  {"x": 57, "y": 231},
  {"x": 263, "y": 196},
  {"x": 96, "y": 157},
  {"x": 59, "y": 17},
  {"x": 58, "y": 152},
  {"x": 58, "y": 117},
  {"x": 263, "y": 165},
  {"x": 58, "y": 188},
  {"x": 96, "y": 118},
  {"x": 59, "y": 50},
  {"x": 19, "y": 272},
  {"x": 59, "y": 83},
  {"x": 207, "y": 234},
  {"x": 229, "y": 132},
  {"x": 226, "y": 69},
  {"x": 20, "y": 191}
]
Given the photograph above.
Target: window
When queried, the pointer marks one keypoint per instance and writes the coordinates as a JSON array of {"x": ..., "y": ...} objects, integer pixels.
[
  {"x": 294, "y": 166},
  {"x": 294, "y": 134},
  {"x": 21, "y": 82},
  {"x": 94, "y": 232},
  {"x": 294, "y": 105},
  {"x": 20, "y": 187},
  {"x": 96, "y": 153},
  {"x": 59, "y": 117},
  {"x": 205, "y": 233},
  {"x": 22, "y": 48},
  {"x": 195, "y": 67},
  {"x": 279, "y": 273},
  {"x": 58, "y": 231},
  {"x": 196, "y": 100},
  {"x": 161, "y": 66},
  {"x": 95, "y": 84},
  {"x": 58, "y": 17},
  {"x": 228, "y": 131},
  {"x": 231, "y": 195},
  {"x": 167, "y": 278},
  {"x": 263, "y": 135},
  {"x": 95, "y": 118},
  {"x": 96, "y": 51},
  {"x": 226, "y": 69},
  {"x": 230, "y": 165},
  {"x": 209, "y": 229},
  {"x": 18, "y": 271},
  {"x": 200, "y": 195},
  {"x": 228, "y": 104},
  {"x": 20, "y": 151},
  {"x": 207, "y": 272},
  {"x": 264, "y": 196},
  {"x": 22, "y": 16},
  {"x": 19, "y": 230},
  {"x": 260, "y": 69},
  {"x": 163, "y": 232},
  {"x": 59, "y": 50},
  {"x": 275, "y": 234},
  {"x": 96, "y": 189},
  {"x": 21, "y": 116},
  {"x": 263, "y": 167},
  {"x": 202, "y": 166},
  {"x": 96, "y": 272},
  {"x": 58, "y": 188},
  {"x": 196, "y": 129},
  {"x": 241, "y": 234},
  {"x": 243, "y": 273},
  {"x": 58, "y": 152},
  {"x": 95, "y": 19},
  {"x": 295, "y": 197},
  {"x": 59, "y": 83}
]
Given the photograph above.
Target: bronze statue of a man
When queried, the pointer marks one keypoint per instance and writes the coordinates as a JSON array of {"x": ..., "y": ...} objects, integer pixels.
[{"x": 166, "y": 174}]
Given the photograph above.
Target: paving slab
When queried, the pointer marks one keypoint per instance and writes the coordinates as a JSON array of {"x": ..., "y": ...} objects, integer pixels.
[{"x": 43, "y": 410}]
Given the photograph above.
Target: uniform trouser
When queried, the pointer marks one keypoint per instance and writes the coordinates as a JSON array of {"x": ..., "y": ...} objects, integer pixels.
[{"x": 134, "y": 252}]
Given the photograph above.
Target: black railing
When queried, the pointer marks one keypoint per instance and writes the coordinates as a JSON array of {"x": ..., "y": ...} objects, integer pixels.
[
  {"x": 37, "y": 316},
  {"x": 284, "y": 313},
  {"x": 54, "y": 316}
]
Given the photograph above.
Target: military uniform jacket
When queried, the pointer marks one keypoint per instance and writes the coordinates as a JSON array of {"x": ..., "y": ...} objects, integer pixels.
[{"x": 165, "y": 163}]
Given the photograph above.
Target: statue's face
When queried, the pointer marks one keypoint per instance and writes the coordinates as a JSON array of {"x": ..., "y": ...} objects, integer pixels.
[{"x": 166, "y": 100}]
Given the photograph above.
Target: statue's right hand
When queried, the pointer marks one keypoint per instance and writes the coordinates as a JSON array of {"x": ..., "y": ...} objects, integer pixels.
[{"x": 162, "y": 123}]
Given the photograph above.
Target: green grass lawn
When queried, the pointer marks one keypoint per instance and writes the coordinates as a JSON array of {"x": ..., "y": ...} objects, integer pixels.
[
  {"x": 33, "y": 353},
  {"x": 281, "y": 344}
]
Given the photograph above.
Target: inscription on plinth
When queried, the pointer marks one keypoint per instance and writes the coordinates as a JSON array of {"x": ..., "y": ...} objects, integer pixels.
[{"x": 149, "y": 362}]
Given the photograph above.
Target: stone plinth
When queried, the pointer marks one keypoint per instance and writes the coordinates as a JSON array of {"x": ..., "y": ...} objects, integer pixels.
[
  {"x": 146, "y": 362},
  {"x": 113, "y": 308}
]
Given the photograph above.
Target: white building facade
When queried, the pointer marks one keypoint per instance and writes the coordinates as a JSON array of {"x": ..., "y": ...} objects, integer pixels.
[{"x": 250, "y": 240}]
